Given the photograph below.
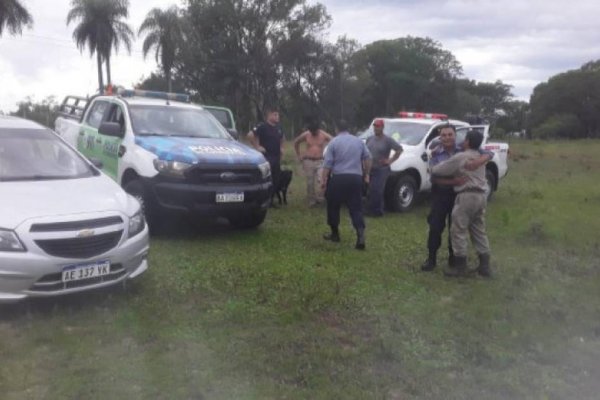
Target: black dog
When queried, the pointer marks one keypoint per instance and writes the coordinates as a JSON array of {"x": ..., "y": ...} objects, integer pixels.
[{"x": 285, "y": 178}]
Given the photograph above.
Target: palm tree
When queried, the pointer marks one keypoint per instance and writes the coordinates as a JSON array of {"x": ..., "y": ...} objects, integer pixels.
[
  {"x": 164, "y": 34},
  {"x": 101, "y": 29},
  {"x": 13, "y": 16}
]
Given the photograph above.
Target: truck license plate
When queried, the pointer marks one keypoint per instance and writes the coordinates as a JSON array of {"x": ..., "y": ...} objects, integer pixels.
[
  {"x": 85, "y": 271},
  {"x": 230, "y": 197}
]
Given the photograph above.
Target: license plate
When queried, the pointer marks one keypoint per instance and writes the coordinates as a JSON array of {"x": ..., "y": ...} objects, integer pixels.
[
  {"x": 85, "y": 271},
  {"x": 230, "y": 197}
]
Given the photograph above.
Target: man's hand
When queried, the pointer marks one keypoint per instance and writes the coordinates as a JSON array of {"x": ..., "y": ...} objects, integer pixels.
[
  {"x": 323, "y": 184},
  {"x": 367, "y": 178},
  {"x": 261, "y": 149}
]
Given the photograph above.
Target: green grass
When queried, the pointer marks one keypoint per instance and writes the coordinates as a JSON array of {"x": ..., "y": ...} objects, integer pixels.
[{"x": 278, "y": 313}]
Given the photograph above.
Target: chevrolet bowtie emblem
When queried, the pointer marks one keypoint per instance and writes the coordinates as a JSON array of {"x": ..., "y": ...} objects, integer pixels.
[{"x": 86, "y": 233}]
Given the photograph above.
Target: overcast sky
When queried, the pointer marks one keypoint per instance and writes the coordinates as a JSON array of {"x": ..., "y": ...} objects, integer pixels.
[{"x": 521, "y": 42}]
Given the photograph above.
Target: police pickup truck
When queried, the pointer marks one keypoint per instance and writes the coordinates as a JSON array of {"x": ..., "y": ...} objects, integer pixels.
[
  {"x": 173, "y": 156},
  {"x": 417, "y": 133}
]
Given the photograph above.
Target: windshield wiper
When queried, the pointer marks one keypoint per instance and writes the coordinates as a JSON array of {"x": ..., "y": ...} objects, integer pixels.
[{"x": 153, "y": 134}]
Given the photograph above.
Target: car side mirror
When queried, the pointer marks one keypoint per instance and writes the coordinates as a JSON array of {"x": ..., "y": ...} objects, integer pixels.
[
  {"x": 234, "y": 133},
  {"x": 424, "y": 157},
  {"x": 97, "y": 163},
  {"x": 111, "y": 129}
]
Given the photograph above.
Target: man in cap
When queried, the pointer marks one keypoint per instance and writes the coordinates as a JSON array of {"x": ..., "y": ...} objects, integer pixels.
[
  {"x": 380, "y": 146},
  {"x": 346, "y": 166}
]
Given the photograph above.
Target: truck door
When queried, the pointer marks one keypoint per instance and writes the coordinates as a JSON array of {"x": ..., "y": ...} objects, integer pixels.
[
  {"x": 108, "y": 146},
  {"x": 88, "y": 134}
]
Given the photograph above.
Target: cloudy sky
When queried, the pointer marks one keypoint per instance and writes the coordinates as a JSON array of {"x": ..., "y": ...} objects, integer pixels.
[{"x": 521, "y": 42}]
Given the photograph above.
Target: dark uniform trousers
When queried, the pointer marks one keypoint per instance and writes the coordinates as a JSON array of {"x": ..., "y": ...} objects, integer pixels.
[
  {"x": 442, "y": 203},
  {"x": 345, "y": 189},
  {"x": 275, "y": 174}
]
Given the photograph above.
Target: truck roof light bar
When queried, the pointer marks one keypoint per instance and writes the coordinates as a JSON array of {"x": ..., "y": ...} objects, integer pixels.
[
  {"x": 184, "y": 98},
  {"x": 411, "y": 114}
]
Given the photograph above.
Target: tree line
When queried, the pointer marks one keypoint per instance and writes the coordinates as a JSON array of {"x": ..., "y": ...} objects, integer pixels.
[{"x": 250, "y": 54}]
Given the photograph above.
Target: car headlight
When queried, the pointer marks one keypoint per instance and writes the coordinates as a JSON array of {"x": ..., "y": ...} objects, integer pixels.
[
  {"x": 172, "y": 168},
  {"x": 136, "y": 223},
  {"x": 9, "y": 241},
  {"x": 265, "y": 170}
]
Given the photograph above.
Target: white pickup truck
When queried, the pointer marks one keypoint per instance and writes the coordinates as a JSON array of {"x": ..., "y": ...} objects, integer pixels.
[{"x": 417, "y": 133}]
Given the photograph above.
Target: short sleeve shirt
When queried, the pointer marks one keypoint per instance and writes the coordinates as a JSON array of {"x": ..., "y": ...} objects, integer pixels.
[
  {"x": 345, "y": 154},
  {"x": 270, "y": 136},
  {"x": 380, "y": 148}
]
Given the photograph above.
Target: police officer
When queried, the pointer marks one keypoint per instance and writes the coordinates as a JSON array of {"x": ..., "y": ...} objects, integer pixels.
[
  {"x": 443, "y": 196},
  {"x": 468, "y": 214},
  {"x": 346, "y": 166},
  {"x": 267, "y": 137}
]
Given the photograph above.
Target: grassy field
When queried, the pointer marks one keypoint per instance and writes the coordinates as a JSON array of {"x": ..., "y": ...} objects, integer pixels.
[{"x": 280, "y": 314}]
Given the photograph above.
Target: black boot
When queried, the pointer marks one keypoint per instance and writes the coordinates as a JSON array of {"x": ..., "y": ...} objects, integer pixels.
[
  {"x": 334, "y": 236},
  {"x": 460, "y": 268},
  {"x": 451, "y": 259},
  {"x": 484, "y": 266},
  {"x": 430, "y": 263},
  {"x": 360, "y": 239}
]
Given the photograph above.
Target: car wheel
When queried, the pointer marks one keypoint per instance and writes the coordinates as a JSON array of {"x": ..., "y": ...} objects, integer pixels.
[
  {"x": 491, "y": 184},
  {"x": 405, "y": 193},
  {"x": 249, "y": 221}
]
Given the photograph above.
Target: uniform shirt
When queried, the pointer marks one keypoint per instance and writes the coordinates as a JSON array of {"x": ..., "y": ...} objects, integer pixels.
[
  {"x": 380, "y": 148},
  {"x": 440, "y": 154},
  {"x": 455, "y": 164},
  {"x": 270, "y": 136},
  {"x": 345, "y": 155}
]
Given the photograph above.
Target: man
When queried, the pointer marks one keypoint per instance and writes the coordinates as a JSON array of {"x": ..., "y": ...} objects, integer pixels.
[
  {"x": 347, "y": 165},
  {"x": 380, "y": 146},
  {"x": 267, "y": 137},
  {"x": 312, "y": 159},
  {"x": 468, "y": 214},
  {"x": 443, "y": 196}
]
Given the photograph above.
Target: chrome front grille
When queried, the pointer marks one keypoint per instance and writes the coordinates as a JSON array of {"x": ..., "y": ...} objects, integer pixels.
[
  {"x": 77, "y": 225},
  {"x": 223, "y": 176},
  {"x": 81, "y": 247}
]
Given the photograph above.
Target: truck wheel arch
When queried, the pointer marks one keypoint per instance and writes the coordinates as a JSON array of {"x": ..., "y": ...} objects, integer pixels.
[{"x": 128, "y": 176}]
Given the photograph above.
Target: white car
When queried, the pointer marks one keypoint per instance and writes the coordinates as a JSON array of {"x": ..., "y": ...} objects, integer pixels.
[{"x": 64, "y": 226}]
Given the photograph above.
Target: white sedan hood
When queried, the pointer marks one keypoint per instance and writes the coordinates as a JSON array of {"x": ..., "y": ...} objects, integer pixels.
[{"x": 20, "y": 201}]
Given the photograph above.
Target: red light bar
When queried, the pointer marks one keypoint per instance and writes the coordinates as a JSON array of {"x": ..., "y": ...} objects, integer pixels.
[{"x": 407, "y": 114}]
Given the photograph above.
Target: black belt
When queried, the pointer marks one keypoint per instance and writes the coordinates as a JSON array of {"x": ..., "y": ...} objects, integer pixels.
[
  {"x": 471, "y": 190},
  {"x": 312, "y": 158}
]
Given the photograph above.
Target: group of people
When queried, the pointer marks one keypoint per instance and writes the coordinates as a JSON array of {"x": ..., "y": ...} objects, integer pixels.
[{"x": 337, "y": 176}]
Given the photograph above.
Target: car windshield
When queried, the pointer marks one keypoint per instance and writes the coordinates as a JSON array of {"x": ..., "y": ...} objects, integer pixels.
[
  {"x": 221, "y": 115},
  {"x": 37, "y": 154},
  {"x": 174, "y": 121},
  {"x": 404, "y": 132}
]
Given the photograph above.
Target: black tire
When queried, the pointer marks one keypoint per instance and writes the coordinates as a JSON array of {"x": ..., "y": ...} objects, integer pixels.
[
  {"x": 136, "y": 189},
  {"x": 251, "y": 220},
  {"x": 405, "y": 193},
  {"x": 491, "y": 184}
]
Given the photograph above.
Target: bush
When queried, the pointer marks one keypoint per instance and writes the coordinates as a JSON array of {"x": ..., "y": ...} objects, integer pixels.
[{"x": 566, "y": 126}]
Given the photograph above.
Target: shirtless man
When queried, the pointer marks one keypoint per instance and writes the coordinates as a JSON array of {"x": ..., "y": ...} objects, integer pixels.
[{"x": 312, "y": 159}]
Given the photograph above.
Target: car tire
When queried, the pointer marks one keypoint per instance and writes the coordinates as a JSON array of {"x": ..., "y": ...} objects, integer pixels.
[
  {"x": 491, "y": 184},
  {"x": 136, "y": 189},
  {"x": 249, "y": 221},
  {"x": 405, "y": 193}
]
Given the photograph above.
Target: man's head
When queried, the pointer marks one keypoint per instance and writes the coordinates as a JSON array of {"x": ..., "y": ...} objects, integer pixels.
[
  {"x": 272, "y": 115},
  {"x": 313, "y": 127},
  {"x": 448, "y": 136},
  {"x": 343, "y": 126},
  {"x": 378, "y": 125},
  {"x": 473, "y": 140}
]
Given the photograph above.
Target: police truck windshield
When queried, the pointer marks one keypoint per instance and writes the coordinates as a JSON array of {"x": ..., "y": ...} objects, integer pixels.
[{"x": 173, "y": 121}]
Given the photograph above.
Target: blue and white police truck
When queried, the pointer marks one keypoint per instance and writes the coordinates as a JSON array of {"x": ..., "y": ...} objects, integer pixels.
[{"x": 172, "y": 155}]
